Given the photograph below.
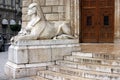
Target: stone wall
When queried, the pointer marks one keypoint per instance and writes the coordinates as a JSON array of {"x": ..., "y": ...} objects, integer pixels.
[{"x": 56, "y": 10}]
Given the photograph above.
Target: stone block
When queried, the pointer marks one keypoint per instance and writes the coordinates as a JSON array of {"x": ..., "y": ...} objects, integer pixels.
[
  {"x": 58, "y": 51},
  {"x": 52, "y": 2},
  {"x": 18, "y": 55},
  {"x": 41, "y": 2},
  {"x": 13, "y": 70},
  {"x": 51, "y": 17},
  {"x": 58, "y": 9},
  {"x": 67, "y": 64},
  {"x": 39, "y": 54},
  {"x": 82, "y": 54},
  {"x": 61, "y": 2},
  {"x": 104, "y": 56},
  {"x": 99, "y": 68},
  {"x": 48, "y": 42},
  {"x": 47, "y": 9},
  {"x": 62, "y": 16},
  {"x": 26, "y": 2},
  {"x": 11, "y": 53}
]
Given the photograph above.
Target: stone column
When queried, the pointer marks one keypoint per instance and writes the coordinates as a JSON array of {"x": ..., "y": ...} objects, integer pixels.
[
  {"x": 117, "y": 20},
  {"x": 77, "y": 16}
]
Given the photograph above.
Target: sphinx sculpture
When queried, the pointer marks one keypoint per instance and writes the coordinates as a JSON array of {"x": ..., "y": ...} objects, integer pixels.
[{"x": 38, "y": 28}]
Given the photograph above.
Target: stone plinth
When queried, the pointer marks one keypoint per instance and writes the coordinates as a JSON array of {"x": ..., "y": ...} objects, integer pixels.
[{"x": 25, "y": 58}]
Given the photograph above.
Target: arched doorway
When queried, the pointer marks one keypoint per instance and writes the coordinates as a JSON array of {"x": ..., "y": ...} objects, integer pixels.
[{"x": 97, "y": 21}]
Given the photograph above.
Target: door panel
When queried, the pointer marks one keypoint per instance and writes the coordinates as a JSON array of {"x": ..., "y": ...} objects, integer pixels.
[
  {"x": 97, "y": 20},
  {"x": 89, "y": 29},
  {"x": 106, "y": 21},
  {"x": 106, "y": 33},
  {"x": 88, "y": 21}
]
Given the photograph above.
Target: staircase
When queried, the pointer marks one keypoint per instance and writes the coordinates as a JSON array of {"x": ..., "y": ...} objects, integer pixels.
[{"x": 84, "y": 66}]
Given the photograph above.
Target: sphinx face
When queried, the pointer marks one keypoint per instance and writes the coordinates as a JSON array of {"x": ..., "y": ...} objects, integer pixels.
[{"x": 32, "y": 10}]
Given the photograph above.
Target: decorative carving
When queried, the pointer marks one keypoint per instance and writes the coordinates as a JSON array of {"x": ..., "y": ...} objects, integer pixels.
[{"x": 39, "y": 28}]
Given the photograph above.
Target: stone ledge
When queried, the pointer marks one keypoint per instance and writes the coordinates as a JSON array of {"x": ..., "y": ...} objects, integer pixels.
[{"x": 46, "y": 42}]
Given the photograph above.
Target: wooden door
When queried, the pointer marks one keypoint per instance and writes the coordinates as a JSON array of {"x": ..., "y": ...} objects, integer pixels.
[{"x": 97, "y": 21}]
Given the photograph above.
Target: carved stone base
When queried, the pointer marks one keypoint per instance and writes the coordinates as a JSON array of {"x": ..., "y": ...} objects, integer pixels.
[
  {"x": 25, "y": 58},
  {"x": 13, "y": 70}
]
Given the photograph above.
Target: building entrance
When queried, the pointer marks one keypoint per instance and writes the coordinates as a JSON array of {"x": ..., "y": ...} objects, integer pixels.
[{"x": 97, "y": 21}]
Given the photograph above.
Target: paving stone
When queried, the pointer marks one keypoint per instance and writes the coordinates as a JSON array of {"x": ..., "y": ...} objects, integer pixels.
[{"x": 3, "y": 60}]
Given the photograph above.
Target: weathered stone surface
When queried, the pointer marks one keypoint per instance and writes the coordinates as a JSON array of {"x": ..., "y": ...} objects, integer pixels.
[
  {"x": 98, "y": 48},
  {"x": 18, "y": 55},
  {"x": 25, "y": 56},
  {"x": 58, "y": 9},
  {"x": 81, "y": 54},
  {"x": 58, "y": 51},
  {"x": 26, "y": 2},
  {"x": 39, "y": 54},
  {"x": 24, "y": 24},
  {"x": 46, "y": 42},
  {"x": 87, "y": 60},
  {"x": 47, "y": 9},
  {"x": 67, "y": 64},
  {"x": 95, "y": 55},
  {"x": 38, "y": 78},
  {"x": 84, "y": 73},
  {"x": 58, "y": 76},
  {"x": 24, "y": 70},
  {"x": 41, "y": 2},
  {"x": 52, "y": 2},
  {"x": 52, "y": 16},
  {"x": 37, "y": 51},
  {"x": 33, "y": 51}
]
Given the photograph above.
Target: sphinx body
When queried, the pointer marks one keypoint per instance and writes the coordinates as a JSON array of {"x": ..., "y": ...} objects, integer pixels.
[{"x": 38, "y": 28}]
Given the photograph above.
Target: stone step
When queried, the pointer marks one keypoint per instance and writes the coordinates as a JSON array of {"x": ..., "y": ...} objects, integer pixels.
[
  {"x": 83, "y": 73},
  {"x": 38, "y": 78},
  {"x": 99, "y": 48},
  {"x": 90, "y": 67},
  {"x": 59, "y": 76},
  {"x": 88, "y": 60},
  {"x": 96, "y": 55},
  {"x": 31, "y": 78}
]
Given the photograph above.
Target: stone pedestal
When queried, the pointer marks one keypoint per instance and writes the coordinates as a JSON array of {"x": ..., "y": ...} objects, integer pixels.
[{"x": 25, "y": 58}]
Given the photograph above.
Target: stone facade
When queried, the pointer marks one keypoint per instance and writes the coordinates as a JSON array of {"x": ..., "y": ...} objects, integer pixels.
[
  {"x": 68, "y": 10},
  {"x": 63, "y": 59}
]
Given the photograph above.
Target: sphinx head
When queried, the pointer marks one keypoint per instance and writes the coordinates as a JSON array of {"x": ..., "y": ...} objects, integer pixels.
[
  {"x": 35, "y": 9},
  {"x": 32, "y": 9}
]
